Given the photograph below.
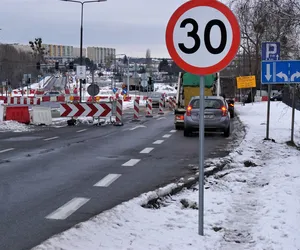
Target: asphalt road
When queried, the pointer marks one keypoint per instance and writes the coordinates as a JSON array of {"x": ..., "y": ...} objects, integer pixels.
[{"x": 53, "y": 178}]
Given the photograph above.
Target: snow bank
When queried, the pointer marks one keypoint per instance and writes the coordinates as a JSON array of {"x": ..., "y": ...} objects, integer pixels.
[
  {"x": 163, "y": 88},
  {"x": 14, "y": 126},
  {"x": 252, "y": 204}
]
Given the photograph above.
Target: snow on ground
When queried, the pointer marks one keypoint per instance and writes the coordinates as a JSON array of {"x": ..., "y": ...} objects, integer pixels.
[
  {"x": 164, "y": 88},
  {"x": 252, "y": 204},
  {"x": 14, "y": 126}
]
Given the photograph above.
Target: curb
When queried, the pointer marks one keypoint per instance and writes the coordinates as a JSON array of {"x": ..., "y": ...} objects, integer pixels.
[{"x": 211, "y": 167}]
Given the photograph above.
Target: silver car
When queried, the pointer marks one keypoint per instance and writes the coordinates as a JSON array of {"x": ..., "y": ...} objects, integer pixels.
[
  {"x": 216, "y": 115},
  {"x": 156, "y": 97}
]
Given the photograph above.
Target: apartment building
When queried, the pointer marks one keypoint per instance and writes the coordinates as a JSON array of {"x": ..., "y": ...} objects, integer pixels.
[
  {"x": 61, "y": 53},
  {"x": 76, "y": 52},
  {"x": 100, "y": 55}
]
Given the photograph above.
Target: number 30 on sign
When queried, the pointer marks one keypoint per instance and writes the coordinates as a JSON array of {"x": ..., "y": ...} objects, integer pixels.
[{"x": 203, "y": 37}]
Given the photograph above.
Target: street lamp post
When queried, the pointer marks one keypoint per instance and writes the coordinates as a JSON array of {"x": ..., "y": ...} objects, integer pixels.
[
  {"x": 127, "y": 69},
  {"x": 81, "y": 34}
]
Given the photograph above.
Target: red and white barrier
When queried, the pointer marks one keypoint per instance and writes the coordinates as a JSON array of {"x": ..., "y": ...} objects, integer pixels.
[
  {"x": 85, "y": 109},
  {"x": 149, "y": 108},
  {"x": 161, "y": 103},
  {"x": 136, "y": 110},
  {"x": 22, "y": 101},
  {"x": 119, "y": 112}
]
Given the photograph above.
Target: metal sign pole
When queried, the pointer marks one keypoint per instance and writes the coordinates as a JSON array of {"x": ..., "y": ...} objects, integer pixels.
[
  {"x": 293, "y": 115},
  {"x": 201, "y": 156},
  {"x": 268, "y": 112}
]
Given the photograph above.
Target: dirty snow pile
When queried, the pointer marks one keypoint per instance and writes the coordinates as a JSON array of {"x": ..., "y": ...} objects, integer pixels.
[
  {"x": 253, "y": 203},
  {"x": 163, "y": 88},
  {"x": 14, "y": 126}
]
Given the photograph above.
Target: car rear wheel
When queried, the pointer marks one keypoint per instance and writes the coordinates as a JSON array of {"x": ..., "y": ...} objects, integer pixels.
[{"x": 227, "y": 132}]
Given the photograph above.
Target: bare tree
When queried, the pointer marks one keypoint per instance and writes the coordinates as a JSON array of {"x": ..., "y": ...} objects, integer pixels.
[
  {"x": 39, "y": 51},
  {"x": 14, "y": 63},
  {"x": 266, "y": 20}
]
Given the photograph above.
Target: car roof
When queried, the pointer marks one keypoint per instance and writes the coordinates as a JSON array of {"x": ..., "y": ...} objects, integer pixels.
[{"x": 209, "y": 97}]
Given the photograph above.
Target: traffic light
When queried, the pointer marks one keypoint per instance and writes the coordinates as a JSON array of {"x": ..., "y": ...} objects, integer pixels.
[
  {"x": 150, "y": 81},
  {"x": 28, "y": 80},
  {"x": 38, "y": 65},
  {"x": 71, "y": 65},
  {"x": 56, "y": 65}
]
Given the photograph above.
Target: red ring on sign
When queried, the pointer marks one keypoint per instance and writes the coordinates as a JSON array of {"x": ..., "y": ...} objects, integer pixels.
[{"x": 235, "y": 37}]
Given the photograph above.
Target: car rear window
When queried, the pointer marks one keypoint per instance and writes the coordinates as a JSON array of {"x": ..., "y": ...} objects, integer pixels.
[{"x": 209, "y": 103}]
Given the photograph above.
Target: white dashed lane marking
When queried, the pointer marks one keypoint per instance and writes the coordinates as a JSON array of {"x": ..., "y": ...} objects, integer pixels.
[
  {"x": 158, "y": 142},
  {"x": 6, "y": 150},
  {"x": 66, "y": 210},
  {"x": 173, "y": 131},
  {"x": 107, "y": 180},
  {"x": 166, "y": 136},
  {"x": 51, "y": 138},
  {"x": 82, "y": 130},
  {"x": 131, "y": 162},
  {"x": 146, "y": 150}
]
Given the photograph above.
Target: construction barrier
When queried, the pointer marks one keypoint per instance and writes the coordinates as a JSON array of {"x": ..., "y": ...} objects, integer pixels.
[
  {"x": 257, "y": 98},
  {"x": 41, "y": 115},
  {"x": 22, "y": 100},
  {"x": 86, "y": 110},
  {"x": 171, "y": 107},
  {"x": 149, "y": 108},
  {"x": 161, "y": 103},
  {"x": 136, "y": 110},
  {"x": 1, "y": 113},
  {"x": 119, "y": 113},
  {"x": 18, "y": 113},
  {"x": 264, "y": 98}
]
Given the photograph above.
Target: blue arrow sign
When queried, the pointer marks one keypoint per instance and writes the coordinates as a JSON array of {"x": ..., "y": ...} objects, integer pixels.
[
  {"x": 124, "y": 91},
  {"x": 270, "y": 51},
  {"x": 274, "y": 72},
  {"x": 115, "y": 90}
]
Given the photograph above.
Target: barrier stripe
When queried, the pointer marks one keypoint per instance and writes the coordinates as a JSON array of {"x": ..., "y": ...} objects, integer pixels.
[
  {"x": 136, "y": 109},
  {"x": 149, "y": 108},
  {"x": 119, "y": 110},
  {"x": 160, "y": 111}
]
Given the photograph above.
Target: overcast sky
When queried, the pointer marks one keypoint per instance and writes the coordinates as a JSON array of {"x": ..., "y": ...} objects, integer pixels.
[{"x": 130, "y": 26}]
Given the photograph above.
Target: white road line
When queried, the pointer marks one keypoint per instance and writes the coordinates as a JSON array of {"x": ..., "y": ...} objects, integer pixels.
[
  {"x": 146, "y": 150},
  {"x": 139, "y": 126},
  {"x": 51, "y": 138},
  {"x": 161, "y": 118},
  {"x": 82, "y": 130},
  {"x": 173, "y": 131},
  {"x": 6, "y": 150},
  {"x": 131, "y": 162},
  {"x": 66, "y": 210},
  {"x": 158, "y": 142},
  {"x": 62, "y": 126},
  {"x": 167, "y": 136},
  {"x": 107, "y": 180}
]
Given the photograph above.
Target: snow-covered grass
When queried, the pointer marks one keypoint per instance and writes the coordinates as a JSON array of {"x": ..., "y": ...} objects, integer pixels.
[{"x": 252, "y": 204}]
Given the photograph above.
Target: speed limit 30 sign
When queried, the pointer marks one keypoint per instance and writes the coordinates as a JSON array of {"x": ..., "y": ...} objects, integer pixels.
[{"x": 203, "y": 37}]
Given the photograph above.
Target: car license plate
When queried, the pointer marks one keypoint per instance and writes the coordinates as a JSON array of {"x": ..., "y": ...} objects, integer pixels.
[{"x": 208, "y": 116}]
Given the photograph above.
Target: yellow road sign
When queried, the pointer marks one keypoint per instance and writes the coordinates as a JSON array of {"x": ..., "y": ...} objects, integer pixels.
[{"x": 245, "y": 82}]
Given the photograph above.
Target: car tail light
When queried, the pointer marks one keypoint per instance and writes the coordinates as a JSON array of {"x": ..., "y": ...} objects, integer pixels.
[
  {"x": 188, "y": 110},
  {"x": 231, "y": 104},
  {"x": 224, "y": 111}
]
